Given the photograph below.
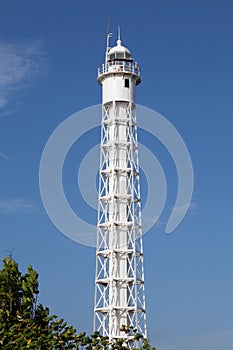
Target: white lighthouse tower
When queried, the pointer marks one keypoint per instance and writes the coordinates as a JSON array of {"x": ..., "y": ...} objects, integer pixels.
[{"x": 119, "y": 293}]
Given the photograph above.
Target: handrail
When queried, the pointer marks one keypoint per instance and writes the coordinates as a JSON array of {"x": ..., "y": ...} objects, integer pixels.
[{"x": 119, "y": 66}]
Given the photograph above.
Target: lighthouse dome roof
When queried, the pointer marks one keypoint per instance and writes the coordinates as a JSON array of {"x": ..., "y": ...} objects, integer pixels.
[
  {"x": 119, "y": 48},
  {"x": 119, "y": 52}
]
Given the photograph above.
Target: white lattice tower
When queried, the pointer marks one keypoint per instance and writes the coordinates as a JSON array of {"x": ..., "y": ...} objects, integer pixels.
[{"x": 119, "y": 292}]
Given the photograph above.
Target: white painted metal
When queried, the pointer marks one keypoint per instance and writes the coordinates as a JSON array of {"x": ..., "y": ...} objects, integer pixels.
[{"x": 119, "y": 291}]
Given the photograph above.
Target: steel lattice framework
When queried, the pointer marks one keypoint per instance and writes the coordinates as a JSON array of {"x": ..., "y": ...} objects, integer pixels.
[{"x": 119, "y": 292}]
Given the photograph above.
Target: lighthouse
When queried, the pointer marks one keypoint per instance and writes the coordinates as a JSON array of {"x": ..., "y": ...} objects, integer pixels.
[{"x": 119, "y": 309}]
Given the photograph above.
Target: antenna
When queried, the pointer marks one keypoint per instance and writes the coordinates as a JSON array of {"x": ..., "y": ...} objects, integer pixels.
[
  {"x": 10, "y": 251},
  {"x": 108, "y": 35},
  {"x": 108, "y": 28},
  {"x": 119, "y": 32}
]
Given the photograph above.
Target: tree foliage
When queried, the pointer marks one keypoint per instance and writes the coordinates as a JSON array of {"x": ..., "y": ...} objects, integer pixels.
[{"x": 24, "y": 324}]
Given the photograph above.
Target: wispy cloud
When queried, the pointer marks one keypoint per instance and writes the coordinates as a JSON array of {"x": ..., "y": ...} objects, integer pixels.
[
  {"x": 3, "y": 156},
  {"x": 16, "y": 205},
  {"x": 19, "y": 63}
]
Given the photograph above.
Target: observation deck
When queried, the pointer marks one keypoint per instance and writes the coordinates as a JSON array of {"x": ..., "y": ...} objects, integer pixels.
[{"x": 119, "y": 67}]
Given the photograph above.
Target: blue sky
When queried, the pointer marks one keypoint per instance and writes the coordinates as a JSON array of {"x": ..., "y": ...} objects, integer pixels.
[{"x": 49, "y": 53}]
